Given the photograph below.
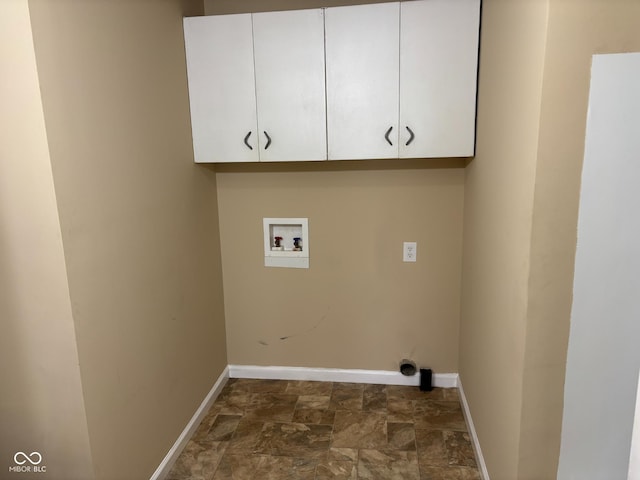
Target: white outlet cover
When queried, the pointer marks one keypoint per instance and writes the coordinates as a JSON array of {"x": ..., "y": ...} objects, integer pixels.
[{"x": 409, "y": 251}]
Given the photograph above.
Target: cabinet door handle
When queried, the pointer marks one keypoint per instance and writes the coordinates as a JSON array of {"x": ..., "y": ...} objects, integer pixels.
[
  {"x": 268, "y": 140},
  {"x": 412, "y": 136},
  {"x": 386, "y": 136},
  {"x": 246, "y": 141}
]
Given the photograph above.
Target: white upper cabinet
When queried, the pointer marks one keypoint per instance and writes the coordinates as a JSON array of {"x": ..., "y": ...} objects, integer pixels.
[
  {"x": 220, "y": 69},
  {"x": 438, "y": 71},
  {"x": 290, "y": 85},
  {"x": 386, "y": 80},
  {"x": 362, "y": 81}
]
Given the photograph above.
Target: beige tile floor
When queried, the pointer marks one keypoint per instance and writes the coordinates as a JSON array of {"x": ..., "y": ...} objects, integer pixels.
[{"x": 276, "y": 429}]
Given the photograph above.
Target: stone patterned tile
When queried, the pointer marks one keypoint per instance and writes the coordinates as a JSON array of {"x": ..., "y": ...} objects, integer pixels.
[
  {"x": 223, "y": 427},
  {"x": 342, "y": 454},
  {"x": 268, "y": 386},
  {"x": 237, "y": 467},
  {"x": 459, "y": 449},
  {"x": 274, "y": 407},
  {"x": 388, "y": 464},
  {"x": 401, "y": 436},
  {"x": 225, "y": 392},
  {"x": 274, "y": 468},
  {"x": 359, "y": 430},
  {"x": 399, "y": 410},
  {"x": 245, "y": 437},
  {"x": 240, "y": 385},
  {"x": 214, "y": 410},
  {"x": 375, "y": 388},
  {"x": 298, "y": 387},
  {"x": 233, "y": 403},
  {"x": 439, "y": 415},
  {"x": 432, "y": 450},
  {"x": 413, "y": 393},
  {"x": 346, "y": 396},
  {"x": 249, "y": 467},
  {"x": 205, "y": 425},
  {"x": 374, "y": 398},
  {"x": 450, "y": 395},
  {"x": 336, "y": 470},
  {"x": 198, "y": 461},
  {"x": 300, "y": 430},
  {"x": 441, "y": 394},
  {"x": 349, "y": 386},
  {"x": 303, "y": 469},
  {"x": 449, "y": 473},
  {"x": 294, "y": 440},
  {"x": 314, "y": 416},
  {"x": 318, "y": 402}
]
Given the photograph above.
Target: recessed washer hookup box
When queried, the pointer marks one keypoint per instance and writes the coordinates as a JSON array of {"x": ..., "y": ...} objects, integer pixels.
[{"x": 286, "y": 242}]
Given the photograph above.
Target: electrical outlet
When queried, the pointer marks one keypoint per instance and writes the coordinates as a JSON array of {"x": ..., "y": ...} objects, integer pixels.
[{"x": 409, "y": 251}]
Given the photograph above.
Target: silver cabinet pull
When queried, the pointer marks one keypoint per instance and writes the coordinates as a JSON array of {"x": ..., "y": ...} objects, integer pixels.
[
  {"x": 268, "y": 140},
  {"x": 386, "y": 136},
  {"x": 411, "y": 137},
  {"x": 246, "y": 141}
]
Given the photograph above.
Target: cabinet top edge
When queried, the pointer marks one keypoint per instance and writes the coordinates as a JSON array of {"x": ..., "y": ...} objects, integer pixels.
[{"x": 320, "y": 6}]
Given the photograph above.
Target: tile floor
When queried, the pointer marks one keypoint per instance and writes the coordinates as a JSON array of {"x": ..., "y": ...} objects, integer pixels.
[{"x": 276, "y": 429}]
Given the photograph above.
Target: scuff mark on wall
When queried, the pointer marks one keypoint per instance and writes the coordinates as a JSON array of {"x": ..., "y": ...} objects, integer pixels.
[
  {"x": 316, "y": 325},
  {"x": 262, "y": 342}
]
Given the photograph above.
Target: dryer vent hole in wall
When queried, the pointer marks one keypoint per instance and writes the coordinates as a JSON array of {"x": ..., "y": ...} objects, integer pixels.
[{"x": 408, "y": 368}]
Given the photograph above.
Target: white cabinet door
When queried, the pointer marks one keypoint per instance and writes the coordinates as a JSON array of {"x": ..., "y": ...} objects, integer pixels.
[
  {"x": 290, "y": 86},
  {"x": 362, "y": 81},
  {"x": 220, "y": 70},
  {"x": 438, "y": 72}
]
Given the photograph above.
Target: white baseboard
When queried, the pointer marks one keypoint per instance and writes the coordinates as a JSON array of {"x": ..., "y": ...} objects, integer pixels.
[
  {"x": 384, "y": 377},
  {"x": 174, "y": 452},
  {"x": 482, "y": 466}
]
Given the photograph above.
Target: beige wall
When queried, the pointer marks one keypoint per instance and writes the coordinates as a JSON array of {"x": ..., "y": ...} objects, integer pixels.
[
  {"x": 138, "y": 219},
  {"x": 358, "y": 305},
  {"x": 532, "y": 415},
  {"x": 41, "y": 404},
  {"x": 499, "y": 187},
  {"x": 577, "y": 30}
]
